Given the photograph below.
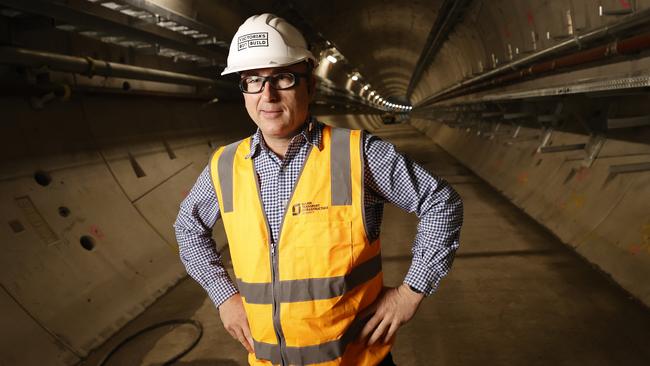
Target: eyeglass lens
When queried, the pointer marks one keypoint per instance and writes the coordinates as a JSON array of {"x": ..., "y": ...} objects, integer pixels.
[{"x": 255, "y": 84}]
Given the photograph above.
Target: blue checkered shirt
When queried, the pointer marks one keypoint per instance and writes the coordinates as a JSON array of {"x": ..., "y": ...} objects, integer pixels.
[{"x": 388, "y": 177}]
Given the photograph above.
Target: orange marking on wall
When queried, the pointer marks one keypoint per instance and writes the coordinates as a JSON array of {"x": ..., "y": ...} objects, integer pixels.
[
  {"x": 97, "y": 232},
  {"x": 530, "y": 18},
  {"x": 578, "y": 200},
  {"x": 638, "y": 248},
  {"x": 582, "y": 174},
  {"x": 522, "y": 178}
]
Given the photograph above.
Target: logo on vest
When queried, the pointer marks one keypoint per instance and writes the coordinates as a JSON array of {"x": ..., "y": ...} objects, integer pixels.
[{"x": 306, "y": 208}]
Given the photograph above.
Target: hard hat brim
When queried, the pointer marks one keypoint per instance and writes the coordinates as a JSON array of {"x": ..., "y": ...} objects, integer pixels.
[{"x": 265, "y": 64}]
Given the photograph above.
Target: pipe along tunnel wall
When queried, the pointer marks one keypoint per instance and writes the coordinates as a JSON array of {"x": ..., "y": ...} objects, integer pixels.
[
  {"x": 90, "y": 189},
  {"x": 603, "y": 216}
]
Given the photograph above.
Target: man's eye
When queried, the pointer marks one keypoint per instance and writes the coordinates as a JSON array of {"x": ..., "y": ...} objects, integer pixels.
[
  {"x": 253, "y": 79},
  {"x": 284, "y": 77}
]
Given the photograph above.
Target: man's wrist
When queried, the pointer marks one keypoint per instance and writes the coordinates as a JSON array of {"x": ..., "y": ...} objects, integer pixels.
[
  {"x": 412, "y": 292},
  {"x": 415, "y": 290}
]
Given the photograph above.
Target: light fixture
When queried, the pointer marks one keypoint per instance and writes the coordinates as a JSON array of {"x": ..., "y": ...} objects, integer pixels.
[
  {"x": 331, "y": 59},
  {"x": 355, "y": 78}
]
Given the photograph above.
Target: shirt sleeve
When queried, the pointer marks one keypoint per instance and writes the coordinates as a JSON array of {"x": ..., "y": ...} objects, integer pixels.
[
  {"x": 198, "y": 213},
  {"x": 395, "y": 178}
]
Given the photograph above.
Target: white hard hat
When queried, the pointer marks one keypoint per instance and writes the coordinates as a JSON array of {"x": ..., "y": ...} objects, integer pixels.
[{"x": 266, "y": 40}]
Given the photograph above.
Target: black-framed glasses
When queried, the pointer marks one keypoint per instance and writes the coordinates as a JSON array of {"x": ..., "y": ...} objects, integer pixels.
[{"x": 254, "y": 84}]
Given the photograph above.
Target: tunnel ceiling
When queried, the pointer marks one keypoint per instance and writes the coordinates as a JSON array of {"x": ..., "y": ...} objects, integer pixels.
[
  {"x": 406, "y": 52},
  {"x": 382, "y": 39}
]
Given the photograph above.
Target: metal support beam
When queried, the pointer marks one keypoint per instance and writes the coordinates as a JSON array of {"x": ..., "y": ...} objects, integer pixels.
[
  {"x": 629, "y": 168},
  {"x": 561, "y": 148},
  {"x": 96, "y": 17},
  {"x": 547, "y": 118},
  {"x": 449, "y": 14},
  {"x": 179, "y": 19},
  {"x": 516, "y": 115},
  {"x": 89, "y": 67},
  {"x": 546, "y": 138},
  {"x": 594, "y": 145},
  {"x": 614, "y": 123}
]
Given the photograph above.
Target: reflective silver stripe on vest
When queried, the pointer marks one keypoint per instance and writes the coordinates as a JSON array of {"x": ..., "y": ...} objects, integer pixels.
[
  {"x": 340, "y": 167},
  {"x": 267, "y": 351},
  {"x": 311, "y": 288},
  {"x": 224, "y": 169},
  {"x": 323, "y": 352}
]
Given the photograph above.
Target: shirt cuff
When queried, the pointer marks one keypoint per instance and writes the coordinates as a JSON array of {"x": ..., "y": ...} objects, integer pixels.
[
  {"x": 221, "y": 291},
  {"x": 420, "y": 277}
]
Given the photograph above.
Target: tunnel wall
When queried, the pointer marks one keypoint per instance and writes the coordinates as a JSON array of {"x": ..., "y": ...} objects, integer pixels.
[
  {"x": 89, "y": 250},
  {"x": 368, "y": 122},
  {"x": 604, "y": 217},
  {"x": 117, "y": 167}
]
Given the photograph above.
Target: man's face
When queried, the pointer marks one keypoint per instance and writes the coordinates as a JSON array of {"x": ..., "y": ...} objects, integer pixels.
[{"x": 280, "y": 113}]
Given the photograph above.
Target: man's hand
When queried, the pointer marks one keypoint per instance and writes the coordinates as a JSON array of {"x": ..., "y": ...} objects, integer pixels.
[
  {"x": 394, "y": 307},
  {"x": 235, "y": 321}
]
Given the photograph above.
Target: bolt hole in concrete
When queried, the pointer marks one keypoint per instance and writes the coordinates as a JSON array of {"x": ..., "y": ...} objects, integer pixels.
[
  {"x": 87, "y": 242},
  {"x": 64, "y": 211},
  {"x": 16, "y": 226},
  {"x": 42, "y": 178}
]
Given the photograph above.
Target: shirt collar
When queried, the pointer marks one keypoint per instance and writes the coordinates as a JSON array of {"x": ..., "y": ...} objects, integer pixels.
[{"x": 311, "y": 132}]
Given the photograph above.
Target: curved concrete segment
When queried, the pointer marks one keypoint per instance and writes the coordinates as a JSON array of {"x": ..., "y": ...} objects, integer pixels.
[
  {"x": 603, "y": 215},
  {"x": 88, "y": 209}
]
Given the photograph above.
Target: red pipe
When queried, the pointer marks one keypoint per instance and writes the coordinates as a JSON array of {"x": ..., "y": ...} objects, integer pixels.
[{"x": 622, "y": 47}]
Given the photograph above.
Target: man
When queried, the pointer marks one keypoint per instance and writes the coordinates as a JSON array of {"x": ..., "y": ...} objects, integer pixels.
[{"x": 302, "y": 204}]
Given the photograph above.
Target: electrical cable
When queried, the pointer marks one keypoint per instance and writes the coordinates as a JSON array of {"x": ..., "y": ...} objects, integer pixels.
[{"x": 197, "y": 325}]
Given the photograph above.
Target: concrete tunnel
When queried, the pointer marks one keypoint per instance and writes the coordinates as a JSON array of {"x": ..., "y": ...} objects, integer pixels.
[{"x": 536, "y": 112}]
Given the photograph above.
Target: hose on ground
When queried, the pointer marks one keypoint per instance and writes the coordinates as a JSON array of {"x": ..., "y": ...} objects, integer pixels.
[{"x": 197, "y": 325}]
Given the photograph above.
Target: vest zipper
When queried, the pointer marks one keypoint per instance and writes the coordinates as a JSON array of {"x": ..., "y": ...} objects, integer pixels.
[{"x": 277, "y": 326}]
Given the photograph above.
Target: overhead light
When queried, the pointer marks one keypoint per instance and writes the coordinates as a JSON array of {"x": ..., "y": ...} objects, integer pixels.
[
  {"x": 331, "y": 59},
  {"x": 355, "y": 78}
]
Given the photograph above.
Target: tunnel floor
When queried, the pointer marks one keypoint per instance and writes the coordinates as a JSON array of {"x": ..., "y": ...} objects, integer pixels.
[{"x": 515, "y": 294}]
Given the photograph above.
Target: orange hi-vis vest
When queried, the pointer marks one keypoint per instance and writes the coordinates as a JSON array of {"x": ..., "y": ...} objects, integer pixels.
[{"x": 303, "y": 295}]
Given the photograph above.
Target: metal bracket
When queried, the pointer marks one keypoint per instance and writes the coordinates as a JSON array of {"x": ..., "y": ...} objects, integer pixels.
[
  {"x": 561, "y": 148},
  {"x": 517, "y": 115},
  {"x": 546, "y": 138},
  {"x": 614, "y": 123},
  {"x": 594, "y": 145},
  {"x": 629, "y": 168}
]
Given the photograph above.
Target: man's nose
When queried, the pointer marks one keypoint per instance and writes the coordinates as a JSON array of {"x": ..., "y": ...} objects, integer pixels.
[{"x": 269, "y": 92}]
